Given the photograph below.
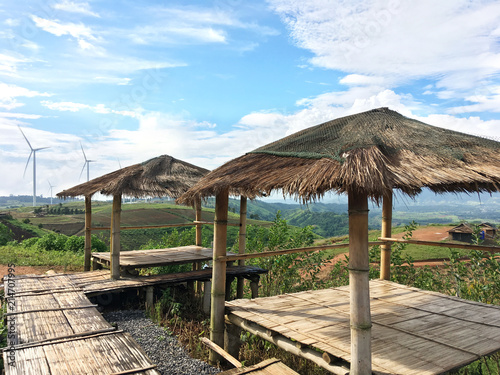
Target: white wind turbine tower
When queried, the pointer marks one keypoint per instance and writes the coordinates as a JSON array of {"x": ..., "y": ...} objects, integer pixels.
[
  {"x": 33, "y": 152},
  {"x": 87, "y": 163},
  {"x": 51, "y": 186}
]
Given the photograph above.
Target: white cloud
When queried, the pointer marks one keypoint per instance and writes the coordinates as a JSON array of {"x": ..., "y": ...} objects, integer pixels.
[
  {"x": 486, "y": 99},
  {"x": 9, "y": 64},
  {"x": 75, "y": 7},
  {"x": 9, "y": 93},
  {"x": 362, "y": 80},
  {"x": 195, "y": 25},
  {"x": 99, "y": 108},
  {"x": 19, "y": 115},
  {"x": 80, "y": 32},
  {"x": 177, "y": 35},
  {"x": 399, "y": 39}
]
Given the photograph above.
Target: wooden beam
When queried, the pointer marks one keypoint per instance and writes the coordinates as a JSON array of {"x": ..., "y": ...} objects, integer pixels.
[
  {"x": 221, "y": 352},
  {"x": 491, "y": 249},
  {"x": 88, "y": 233},
  {"x": 219, "y": 273},
  {"x": 115, "y": 237},
  {"x": 242, "y": 243},
  {"x": 359, "y": 285},
  {"x": 385, "y": 250},
  {"x": 232, "y": 258}
]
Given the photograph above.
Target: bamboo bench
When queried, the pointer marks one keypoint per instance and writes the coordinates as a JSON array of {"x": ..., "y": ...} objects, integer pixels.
[
  {"x": 250, "y": 273},
  {"x": 98, "y": 283}
]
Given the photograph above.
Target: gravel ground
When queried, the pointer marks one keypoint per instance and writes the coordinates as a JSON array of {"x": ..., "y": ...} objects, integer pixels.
[{"x": 163, "y": 349}]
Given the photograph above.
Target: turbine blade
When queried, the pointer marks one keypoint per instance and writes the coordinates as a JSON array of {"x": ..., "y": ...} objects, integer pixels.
[
  {"x": 41, "y": 148},
  {"x": 29, "y": 144},
  {"x": 84, "y": 164},
  {"x": 29, "y": 157},
  {"x": 84, "y": 156}
]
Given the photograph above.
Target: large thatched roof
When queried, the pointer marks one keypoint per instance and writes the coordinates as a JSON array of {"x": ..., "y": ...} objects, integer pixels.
[
  {"x": 160, "y": 176},
  {"x": 370, "y": 152}
]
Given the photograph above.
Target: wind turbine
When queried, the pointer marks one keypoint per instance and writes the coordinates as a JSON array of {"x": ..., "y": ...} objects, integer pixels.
[
  {"x": 87, "y": 163},
  {"x": 33, "y": 152},
  {"x": 51, "y": 186}
]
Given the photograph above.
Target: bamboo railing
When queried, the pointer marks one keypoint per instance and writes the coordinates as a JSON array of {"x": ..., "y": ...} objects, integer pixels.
[{"x": 492, "y": 249}]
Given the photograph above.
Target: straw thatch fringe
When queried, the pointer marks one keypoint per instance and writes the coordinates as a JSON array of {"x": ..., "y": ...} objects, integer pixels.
[
  {"x": 158, "y": 177},
  {"x": 405, "y": 154}
]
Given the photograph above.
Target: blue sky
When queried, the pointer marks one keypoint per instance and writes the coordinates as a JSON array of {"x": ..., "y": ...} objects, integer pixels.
[{"x": 206, "y": 81}]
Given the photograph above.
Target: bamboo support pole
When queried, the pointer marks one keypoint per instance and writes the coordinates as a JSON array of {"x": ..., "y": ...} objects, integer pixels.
[
  {"x": 219, "y": 273},
  {"x": 198, "y": 241},
  {"x": 288, "y": 345},
  {"x": 359, "y": 285},
  {"x": 242, "y": 243},
  {"x": 385, "y": 250},
  {"x": 115, "y": 237},
  {"x": 88, "y": 233}
]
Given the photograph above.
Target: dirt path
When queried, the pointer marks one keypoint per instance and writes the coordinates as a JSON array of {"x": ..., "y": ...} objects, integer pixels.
[
  {"x": 29, "y": 270},
  {"x": 429, "y": 233}
]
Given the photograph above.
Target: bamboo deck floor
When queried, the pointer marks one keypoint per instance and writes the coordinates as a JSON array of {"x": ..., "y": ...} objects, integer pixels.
[
  {"x": 157, "y": 257},
  {"x": 413, "y": 331},
  {"x": 54, "y": 329}
]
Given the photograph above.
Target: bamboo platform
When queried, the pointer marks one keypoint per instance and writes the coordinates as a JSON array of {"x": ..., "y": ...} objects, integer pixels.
[
  {"x": 156, "y": 257},
  {"x": 54, "y": 329},
  {"x": 98, "y": 282},
  {"x": 413, "y": 331}
]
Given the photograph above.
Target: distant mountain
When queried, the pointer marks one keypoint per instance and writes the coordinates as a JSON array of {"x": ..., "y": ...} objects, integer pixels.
[
  {"x": 331, "y": 219},
  {"x": 14, "y": 201}
]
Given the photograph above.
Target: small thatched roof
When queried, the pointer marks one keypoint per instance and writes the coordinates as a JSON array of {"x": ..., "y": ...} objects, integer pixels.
[
  {"x": 371, "y": 152},
  {"x": 158, "y": 177}
]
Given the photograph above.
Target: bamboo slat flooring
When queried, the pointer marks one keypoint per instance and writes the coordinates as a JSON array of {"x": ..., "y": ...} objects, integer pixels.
[
  {"x": 268, "y": 367},
  {"x": 54, "y": 329},
  {"x": 414, "y": 331},
  {"x": 157, "y": 257}
]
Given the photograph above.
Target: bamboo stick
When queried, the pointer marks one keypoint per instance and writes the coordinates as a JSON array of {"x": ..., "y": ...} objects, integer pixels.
[
  {"x": 198, "y": 222},
  {"x": 135, "y": 370},
  {"x": 288, "y": 345},
  {"x": 491, "y": 249},
  {"x": 88, "y": 236},
  {"x": 242, "y": 243},
  {"x": 385, "y": 250},
  {"x": 67, "y": 338},
  {"x": 52, "y": 309},
  {"x": 232, "y": 258},
  {"x": 228, "y": 357},
  {"x": 115, "y": 237},
  {"x": 359, "y": 285},
  {"x": 219, "y": 273}
]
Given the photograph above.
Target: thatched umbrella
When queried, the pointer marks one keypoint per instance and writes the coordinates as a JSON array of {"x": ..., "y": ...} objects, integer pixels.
[
  {"x": 366, "y": 155},
  {"x": 158, "y": 177}
]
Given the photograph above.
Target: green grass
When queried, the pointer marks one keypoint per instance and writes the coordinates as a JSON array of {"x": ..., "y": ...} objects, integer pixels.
[{"x": 21, "y": 256}]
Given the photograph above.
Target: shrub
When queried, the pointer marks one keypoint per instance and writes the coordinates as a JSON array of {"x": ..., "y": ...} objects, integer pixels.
[
  {"x": 29, "y": 242},
  {"x": 52, "y": 241},
  {"x": 75, "y": 244},
  {"x": 290, "y": 272},
  {"x": 98, "y": 244},
  {"x": 6, "y": 234}
]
